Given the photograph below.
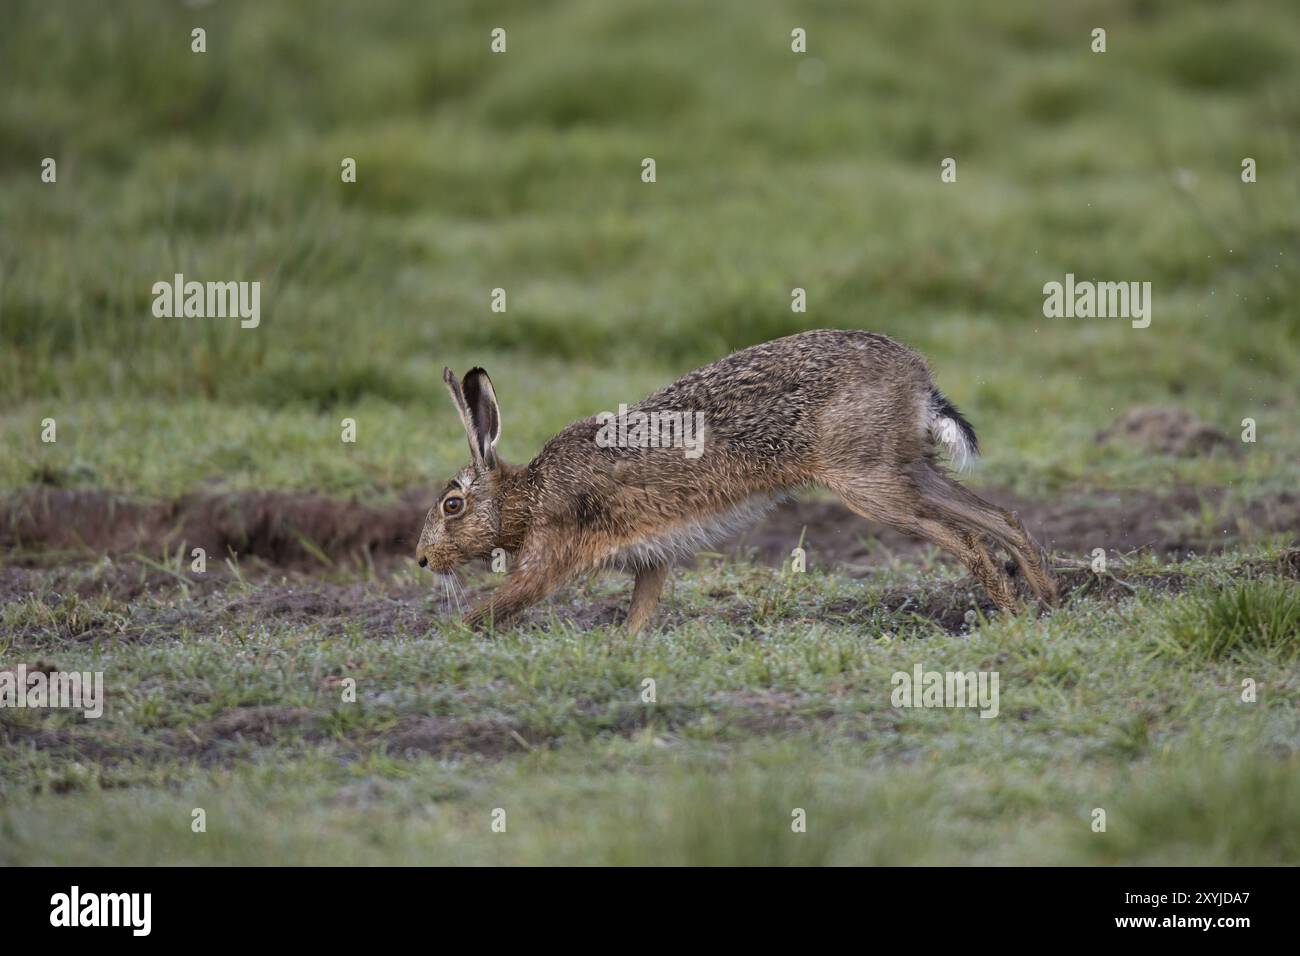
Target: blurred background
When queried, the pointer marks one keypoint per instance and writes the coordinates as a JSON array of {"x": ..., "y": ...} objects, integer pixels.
[{"x": 522, "y": 170}]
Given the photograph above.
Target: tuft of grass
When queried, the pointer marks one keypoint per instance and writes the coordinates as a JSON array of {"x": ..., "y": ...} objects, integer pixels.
[
  {"x": 66, "y": 616},
  {"x": 1236, "y": 621}
]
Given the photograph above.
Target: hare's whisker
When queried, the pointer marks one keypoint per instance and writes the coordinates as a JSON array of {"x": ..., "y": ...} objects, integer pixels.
[{"x": 459, "y": 591}]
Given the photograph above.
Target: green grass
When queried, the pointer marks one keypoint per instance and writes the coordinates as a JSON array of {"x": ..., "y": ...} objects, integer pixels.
[
  {"x": 237, "y": 706},
  {"x": 521, "y": 171},
  {"x": 1261, "y": 616},
  {"x": 627, "y": 805}
]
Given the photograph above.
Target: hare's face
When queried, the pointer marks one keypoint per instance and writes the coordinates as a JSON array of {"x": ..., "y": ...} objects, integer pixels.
[{"x": 463, "y": 524}]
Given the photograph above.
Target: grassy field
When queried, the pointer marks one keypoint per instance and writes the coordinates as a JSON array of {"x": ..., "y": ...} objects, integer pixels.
[
  {"x": 522, "y": 171},
  {"x": 773, "y": 698}
]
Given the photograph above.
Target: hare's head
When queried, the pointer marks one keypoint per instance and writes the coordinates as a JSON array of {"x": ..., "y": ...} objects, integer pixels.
[{"x": 465, "y": 522}]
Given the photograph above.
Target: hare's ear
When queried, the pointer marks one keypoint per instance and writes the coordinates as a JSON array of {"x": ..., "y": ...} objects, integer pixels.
[
  {"x": 484, "y": 413},
  {"x": 477, "y": 403}
]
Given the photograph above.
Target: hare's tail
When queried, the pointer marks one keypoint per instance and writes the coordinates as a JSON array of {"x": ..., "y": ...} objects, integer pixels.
[{"x": 946, "y": 426}]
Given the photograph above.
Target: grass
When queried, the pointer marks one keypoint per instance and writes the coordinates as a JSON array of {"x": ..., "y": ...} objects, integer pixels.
[
  {"x": 521, "y": 172},
  {"x": 239, "y": 706},
  {"x": 1262, "y": 616},
  {"x": 603, "y": 810}
]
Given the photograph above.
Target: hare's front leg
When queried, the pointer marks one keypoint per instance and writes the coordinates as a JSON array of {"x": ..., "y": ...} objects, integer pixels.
[
  {"x": 645, "y": 595},
  {"x": 527, "y": 583}
]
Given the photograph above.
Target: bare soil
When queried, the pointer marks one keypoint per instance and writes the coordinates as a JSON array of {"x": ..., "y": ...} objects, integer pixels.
[
  {"x": 1121, "y": 522},
  {"x": 44, "y": 526}
]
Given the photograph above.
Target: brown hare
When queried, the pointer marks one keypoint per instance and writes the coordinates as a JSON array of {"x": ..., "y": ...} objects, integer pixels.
[{"x": 851, "y": 411}]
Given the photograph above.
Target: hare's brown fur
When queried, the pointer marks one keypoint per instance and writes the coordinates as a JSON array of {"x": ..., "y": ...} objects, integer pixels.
[{"x": 851, "y": 411}]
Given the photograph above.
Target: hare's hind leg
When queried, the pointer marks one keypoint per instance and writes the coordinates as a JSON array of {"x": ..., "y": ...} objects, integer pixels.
[
  {"x": 645, "y": 595},
  {"x": 896, "y": 502},
  {"x": 957, "y": 504},
  {"x": 972, "y": 552}
]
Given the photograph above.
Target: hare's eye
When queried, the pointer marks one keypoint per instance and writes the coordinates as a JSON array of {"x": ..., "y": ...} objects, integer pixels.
[{"x": 452, "y": 505}]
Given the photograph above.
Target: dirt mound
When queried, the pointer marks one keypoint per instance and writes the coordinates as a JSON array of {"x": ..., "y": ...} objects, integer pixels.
[{"x": 1167, "y": 430}]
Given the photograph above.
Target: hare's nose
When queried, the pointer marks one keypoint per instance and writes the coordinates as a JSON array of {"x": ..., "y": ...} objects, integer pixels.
[{"x": 424, "y": 562}]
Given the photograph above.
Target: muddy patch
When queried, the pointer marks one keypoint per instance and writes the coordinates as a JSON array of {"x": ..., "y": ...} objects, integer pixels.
[
  {"x": 359, "y": 606},
  {"x": 279, "y": 529},
  {"x": 442, "y": 736},
  {"x": 312, "y": 533},
  {"x": 256, "y": 723},
  {"x": 124, "y": 600},
  {"x": 1186, "y": 520}
]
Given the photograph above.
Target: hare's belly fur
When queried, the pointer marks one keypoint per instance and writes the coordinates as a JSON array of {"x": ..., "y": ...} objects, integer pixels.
[{"x": 684, "y": 540}]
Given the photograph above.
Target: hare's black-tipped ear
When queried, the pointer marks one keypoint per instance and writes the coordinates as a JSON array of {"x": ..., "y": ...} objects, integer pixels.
[
  {"x": 484, "y": 415},
  {"x": 458, "y": 397}
]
